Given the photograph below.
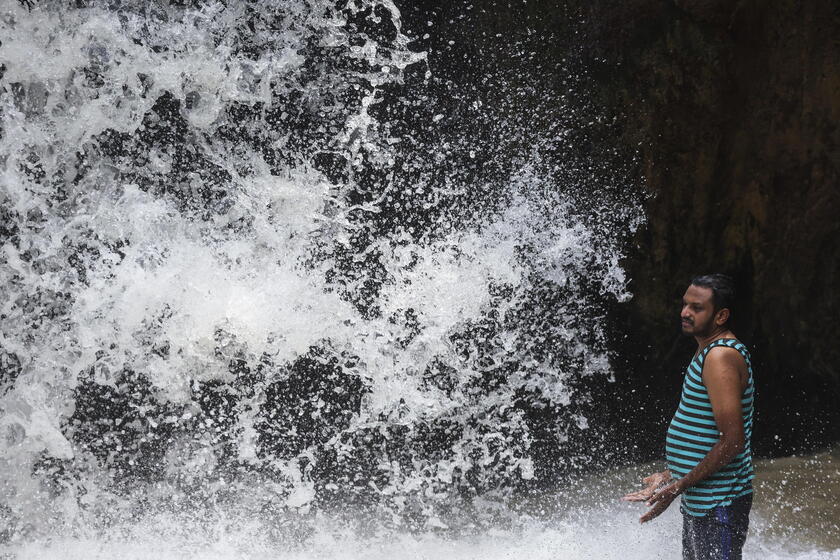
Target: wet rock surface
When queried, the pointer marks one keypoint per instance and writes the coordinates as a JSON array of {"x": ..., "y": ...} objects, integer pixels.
[
  {"x": 737, "y": 108},
  {"x": 733, "y": 110}
]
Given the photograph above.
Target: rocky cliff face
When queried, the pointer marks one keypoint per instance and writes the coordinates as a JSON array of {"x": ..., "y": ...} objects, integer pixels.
[
  {"x": 737, "y": 108},
  {"x": 734, "y": 108}
]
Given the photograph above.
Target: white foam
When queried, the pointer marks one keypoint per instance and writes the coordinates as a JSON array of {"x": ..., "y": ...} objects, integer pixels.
[{"x": 605, "y": 534}]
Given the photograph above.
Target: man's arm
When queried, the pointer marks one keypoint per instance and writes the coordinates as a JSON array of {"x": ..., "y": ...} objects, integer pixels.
[{"x": 723, "y": 371}]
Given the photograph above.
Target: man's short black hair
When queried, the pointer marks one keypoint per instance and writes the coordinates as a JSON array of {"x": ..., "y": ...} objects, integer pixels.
[{"x": 723, "y": 289}]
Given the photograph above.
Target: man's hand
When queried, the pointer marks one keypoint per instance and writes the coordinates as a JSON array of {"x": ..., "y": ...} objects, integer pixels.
[
  {"x": 651, "y": 483},
  {"x": 661, "y": 500}
]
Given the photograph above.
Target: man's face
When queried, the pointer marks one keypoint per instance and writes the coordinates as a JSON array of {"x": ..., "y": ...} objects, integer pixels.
[{"x": 698, "y": 311}]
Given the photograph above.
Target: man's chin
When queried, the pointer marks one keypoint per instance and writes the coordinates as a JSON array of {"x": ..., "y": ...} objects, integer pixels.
[{"x": 687, "y": 329}]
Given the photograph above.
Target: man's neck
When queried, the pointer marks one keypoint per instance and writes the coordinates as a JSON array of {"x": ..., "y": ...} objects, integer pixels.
[{"x": 703, "y": 341}]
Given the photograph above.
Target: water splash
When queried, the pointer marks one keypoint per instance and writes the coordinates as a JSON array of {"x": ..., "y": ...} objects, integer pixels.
[{"x": 226, "y": 269}]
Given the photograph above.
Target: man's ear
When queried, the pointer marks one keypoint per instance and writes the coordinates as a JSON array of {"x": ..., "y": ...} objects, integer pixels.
[{"x": 722, "y": 316}]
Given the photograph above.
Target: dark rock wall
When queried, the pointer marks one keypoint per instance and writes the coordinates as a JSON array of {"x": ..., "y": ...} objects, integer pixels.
[
  {"x": 733, "y": 108},
  {"x": 737, "y": 108}
]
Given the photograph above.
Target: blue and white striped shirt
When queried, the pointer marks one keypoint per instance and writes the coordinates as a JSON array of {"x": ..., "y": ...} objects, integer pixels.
[{"x": 693, "y": 432}]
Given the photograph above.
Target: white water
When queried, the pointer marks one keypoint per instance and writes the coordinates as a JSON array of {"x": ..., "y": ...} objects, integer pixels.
[
  {"x": 580, "y": 522},
  {"x": 167, "y": 230},
  {"x": 191, "y": 307}
]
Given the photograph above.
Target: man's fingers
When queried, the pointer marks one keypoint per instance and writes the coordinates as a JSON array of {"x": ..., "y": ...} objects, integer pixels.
[
  {"x": 667, "y": 495},
  {"x": 653, "y": 512},
  {"x": 649, "y": 516},
  {"x": 639, "y": 495},
  {"x": 654, "y": 479},
  {"x": 635, "y": 497},
  {"x": 659, "y": 502},
  {"x": 654, "y": 498},
  {"x": 650, "y": 479}
]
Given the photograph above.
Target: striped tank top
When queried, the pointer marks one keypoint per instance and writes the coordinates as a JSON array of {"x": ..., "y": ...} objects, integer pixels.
[{"x": 693, "y": 432}]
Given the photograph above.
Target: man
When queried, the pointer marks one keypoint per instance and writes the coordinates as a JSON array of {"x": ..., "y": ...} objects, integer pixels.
[{"x": 707, "y": 445}]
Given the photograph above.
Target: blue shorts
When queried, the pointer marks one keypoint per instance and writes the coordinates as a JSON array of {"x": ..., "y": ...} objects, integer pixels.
[{"x": 718, "y": 535}]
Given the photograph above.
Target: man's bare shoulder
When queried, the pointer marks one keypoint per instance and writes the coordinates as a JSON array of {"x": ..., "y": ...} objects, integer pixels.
[{"x": 723, "y": 361}]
